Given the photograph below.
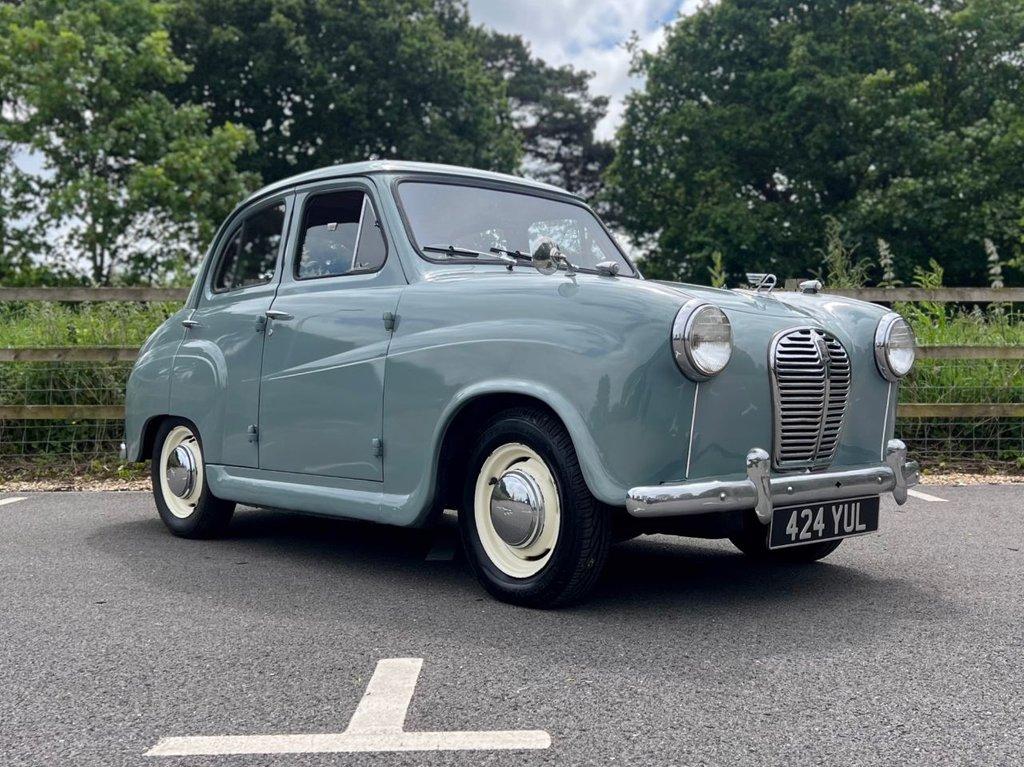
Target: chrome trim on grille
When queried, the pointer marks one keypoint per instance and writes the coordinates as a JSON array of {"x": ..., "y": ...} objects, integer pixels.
[{"x": 811, "y": 379}]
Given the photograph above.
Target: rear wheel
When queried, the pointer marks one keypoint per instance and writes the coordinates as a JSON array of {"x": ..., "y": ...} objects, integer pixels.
[
  {"x": 753, "y": 541},
  {"x": 182, "y": 495},
  {"x": 534, "y": 534}
]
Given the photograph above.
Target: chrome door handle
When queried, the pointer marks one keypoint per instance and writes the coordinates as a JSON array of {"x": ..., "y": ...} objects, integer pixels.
[
  {"x": 275, "y": 314},
  {"x": 190, "y": 323}
]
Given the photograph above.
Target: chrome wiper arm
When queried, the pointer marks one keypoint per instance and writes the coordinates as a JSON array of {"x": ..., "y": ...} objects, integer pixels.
[
  {"x": 451, "y": 251},
  {"x": 512, "y": 253}
]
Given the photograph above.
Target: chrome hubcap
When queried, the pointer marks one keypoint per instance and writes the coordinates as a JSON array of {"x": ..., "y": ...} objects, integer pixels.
[
  {"x": 181, "y": 472},
  {"x": 517, "y": 508}
]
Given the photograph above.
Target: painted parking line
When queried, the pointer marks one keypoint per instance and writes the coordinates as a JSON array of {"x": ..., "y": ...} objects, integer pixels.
[
  {"x": 925, "y": 497},
  {"x": 377, "y": 725},
  {"x": 5, "y": 501}
]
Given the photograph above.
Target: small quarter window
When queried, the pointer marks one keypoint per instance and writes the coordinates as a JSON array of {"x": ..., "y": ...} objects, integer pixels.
[
  {"x": 250, "y": 256},
  {"x": 340, "y": 235}
]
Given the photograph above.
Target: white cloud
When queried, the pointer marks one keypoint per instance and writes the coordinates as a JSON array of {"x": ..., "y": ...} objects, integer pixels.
[{"x": 589, "y": 34}]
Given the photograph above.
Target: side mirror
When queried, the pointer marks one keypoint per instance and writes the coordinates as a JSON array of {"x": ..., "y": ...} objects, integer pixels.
[{"x": 545, "y": 258}]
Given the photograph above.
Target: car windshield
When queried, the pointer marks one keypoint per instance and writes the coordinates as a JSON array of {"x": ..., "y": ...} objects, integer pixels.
[{"x": 477, "y": 219}]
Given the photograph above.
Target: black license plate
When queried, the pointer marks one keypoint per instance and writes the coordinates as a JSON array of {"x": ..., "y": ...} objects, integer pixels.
[{"x": 813, "y": 522}]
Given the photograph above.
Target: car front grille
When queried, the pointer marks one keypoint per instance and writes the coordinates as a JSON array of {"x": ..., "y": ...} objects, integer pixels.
[{"x": 810, "y": 389}]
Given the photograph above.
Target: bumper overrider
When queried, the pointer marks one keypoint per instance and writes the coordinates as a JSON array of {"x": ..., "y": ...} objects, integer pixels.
[{"x": 762, "y": 492}]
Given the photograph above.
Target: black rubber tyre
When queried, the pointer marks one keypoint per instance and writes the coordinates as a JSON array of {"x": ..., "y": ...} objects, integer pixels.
[
  {"x": 753, "y": 541},
  {"x": 210, "y": 516},
  {"x": 584, "y": 532}
]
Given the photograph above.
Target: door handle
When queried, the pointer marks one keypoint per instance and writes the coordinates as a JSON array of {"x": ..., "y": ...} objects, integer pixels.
[
  {"x": 190, "y": 324},
  {"x": 276, "y": 314}
]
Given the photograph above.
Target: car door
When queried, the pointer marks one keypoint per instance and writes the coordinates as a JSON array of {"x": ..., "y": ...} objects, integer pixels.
[
  {"x": 217, "y": 368},
  {"x": 322, "y": 386}
]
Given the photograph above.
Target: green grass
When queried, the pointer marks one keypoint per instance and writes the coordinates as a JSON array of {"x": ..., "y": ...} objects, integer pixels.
[
  {"x": 35, "y": 323},
  {"x": 936, "y": 326}
]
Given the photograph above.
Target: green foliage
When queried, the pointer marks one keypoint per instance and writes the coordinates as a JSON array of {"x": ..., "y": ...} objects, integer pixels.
[
  {"x": 101, "y": 324},
  {"x": 840, "y": 268},
  {"x": 885, "y": 264},
  {"x": 717, "y": 273},
  {"x": 554, "y": 112},
  {"x": 995, "y": 265},
  {"x": 902, "y": 118},
  {"x": 923, "y": 314},
  {"x": 20, "y": 232},
  {"x": 131, "y": 181},
  {"x": 321, "y": 82}
]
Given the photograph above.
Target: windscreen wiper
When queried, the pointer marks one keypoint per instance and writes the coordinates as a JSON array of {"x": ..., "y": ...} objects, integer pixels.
[
  {"x": 451, "y": 251},
  {"x": 512, "y": 253}
]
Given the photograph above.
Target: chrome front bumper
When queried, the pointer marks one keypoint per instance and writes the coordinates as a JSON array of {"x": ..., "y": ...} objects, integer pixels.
[{"x": 762, "y": 492}]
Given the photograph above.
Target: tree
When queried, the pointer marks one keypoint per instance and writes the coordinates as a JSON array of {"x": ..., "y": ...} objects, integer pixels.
[
  {"x": 554, "y": 112},
  {"x": 901, "y": 119},
  {"x": 20, "y": 228},
  {"x": 322, "y": 81},
  {"x": 131, "y": 182}
]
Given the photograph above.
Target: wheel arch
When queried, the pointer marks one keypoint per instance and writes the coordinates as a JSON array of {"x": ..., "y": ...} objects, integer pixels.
[
  {"x": 151, "y": 427},
  {"x": 476, "y": 404}
]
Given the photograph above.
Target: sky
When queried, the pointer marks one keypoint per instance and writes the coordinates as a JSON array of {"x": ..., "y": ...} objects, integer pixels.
[{"x": 589, "y": 34}]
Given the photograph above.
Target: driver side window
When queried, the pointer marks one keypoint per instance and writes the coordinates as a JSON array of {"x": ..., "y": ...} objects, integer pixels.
[
  {"x": 250, "y": 256},
  {"x": 340, "y": 235}
]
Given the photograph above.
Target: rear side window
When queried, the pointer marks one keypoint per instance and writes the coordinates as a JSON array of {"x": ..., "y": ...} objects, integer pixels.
[
  {"x": 340, "y": 235},
  {"x": 250, "y": 256}
]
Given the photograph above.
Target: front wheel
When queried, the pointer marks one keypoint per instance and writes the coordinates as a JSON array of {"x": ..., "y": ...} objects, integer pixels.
[
  {"x": 533, "y": 533},
  {"x": 178, "y": 473}
]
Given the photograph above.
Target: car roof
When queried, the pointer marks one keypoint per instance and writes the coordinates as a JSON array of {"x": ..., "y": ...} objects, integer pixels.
[{"x": 400, "y": 167}]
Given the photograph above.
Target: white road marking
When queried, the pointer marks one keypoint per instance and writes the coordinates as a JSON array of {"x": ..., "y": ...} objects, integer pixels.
[
  {"x": 5, "y": 501},
  {"x": 376, "y": 725},
  {"x": 926, "y": 497}
]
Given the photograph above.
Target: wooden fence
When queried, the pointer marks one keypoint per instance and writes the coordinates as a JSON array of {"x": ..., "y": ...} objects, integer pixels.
[
  {"x": 875, "y": 295},
  {"x": 144, "y": 295}
]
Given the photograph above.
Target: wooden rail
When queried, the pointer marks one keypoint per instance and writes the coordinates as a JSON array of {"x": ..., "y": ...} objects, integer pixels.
[
  {"x": 970, "y": 352},
  {"x": 912, "y": 295},
  {"x": 129, "y": 353},
  {"x": 62, "y": 412},
  {"x": 116, "y": 412},
  {"x": 81, "y": 295},
  {"x": 960, "y": 410},
  {"x": 876, "y": 295},
  {"x": 71, "y": 354},
  {"x": 938, "y": 295}
]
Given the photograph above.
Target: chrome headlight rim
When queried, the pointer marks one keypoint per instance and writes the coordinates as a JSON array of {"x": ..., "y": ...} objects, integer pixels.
[
  {"x": 681, "y": 340},
  {"x": 883, "y": 347}
]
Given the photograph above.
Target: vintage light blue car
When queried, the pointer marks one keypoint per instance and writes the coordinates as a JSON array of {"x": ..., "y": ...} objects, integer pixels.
[{"x": 387, "y": 340}]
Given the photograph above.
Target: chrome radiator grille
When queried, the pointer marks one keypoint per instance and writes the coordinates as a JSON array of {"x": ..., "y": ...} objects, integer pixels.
[{"x": 810, "y": 389}]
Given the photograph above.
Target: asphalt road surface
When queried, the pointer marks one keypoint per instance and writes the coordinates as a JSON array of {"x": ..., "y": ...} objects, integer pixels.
[{"x": 902, "y": 648}]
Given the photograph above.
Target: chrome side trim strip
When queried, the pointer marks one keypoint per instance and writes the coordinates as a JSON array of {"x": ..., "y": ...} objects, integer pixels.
[
  {"x": 693, "y": 425},
  {"x": 885, "y": 423}
]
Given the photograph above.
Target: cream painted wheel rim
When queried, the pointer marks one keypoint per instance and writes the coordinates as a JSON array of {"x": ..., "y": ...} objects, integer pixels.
[
  {"x": 181, "y": 437},
  {"x": 517, "y": 561}
]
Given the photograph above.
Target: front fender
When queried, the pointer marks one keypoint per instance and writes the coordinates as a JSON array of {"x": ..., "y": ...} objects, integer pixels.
[
  {"x": 148, "y": 391},
  {"x": 596, "y": 353}
]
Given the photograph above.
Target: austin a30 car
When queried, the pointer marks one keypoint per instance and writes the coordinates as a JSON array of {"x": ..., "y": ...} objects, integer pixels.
[{"x": 385, "y": 341}]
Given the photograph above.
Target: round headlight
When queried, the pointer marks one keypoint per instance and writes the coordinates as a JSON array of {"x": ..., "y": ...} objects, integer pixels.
[
  {"x": 895, "y": 347},
  {"x": 701, "y": 340}
]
